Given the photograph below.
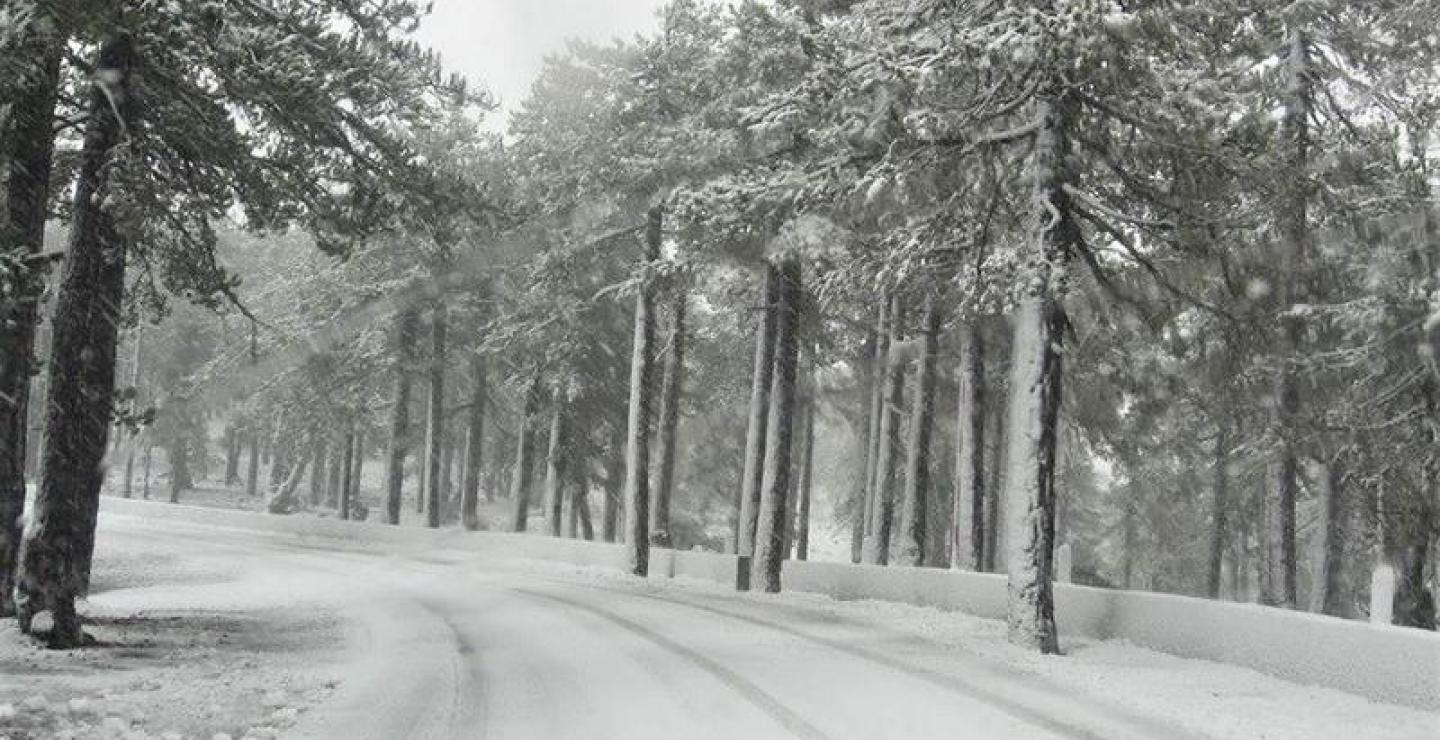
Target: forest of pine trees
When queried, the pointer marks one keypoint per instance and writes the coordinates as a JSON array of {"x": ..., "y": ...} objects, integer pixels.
[{"x": 909, "y": 283}]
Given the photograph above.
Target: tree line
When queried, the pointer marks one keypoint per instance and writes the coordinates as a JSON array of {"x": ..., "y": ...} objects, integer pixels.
[{"x": 964, "y": 283}]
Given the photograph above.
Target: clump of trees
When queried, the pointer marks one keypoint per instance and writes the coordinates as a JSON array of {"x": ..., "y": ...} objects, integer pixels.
[{"x": 920, "y": 284}]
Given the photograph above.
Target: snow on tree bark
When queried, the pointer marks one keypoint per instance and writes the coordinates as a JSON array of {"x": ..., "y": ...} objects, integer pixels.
[
  {"x": 1035, "y": 378},
  {"x": 915, "y": 506},
  {"x": 672, "y": 382},
  {"x": 770, "y": 526},
  {"x": 435, "y": 453},
  {"x": 59, "y": 543},
  {"x": 748, "y": 504},
  {"x": 474, "y": 444},
  {"x": 637, "y": 436},
  {"x": 407, "y": 328},
  {"x": 29, "y": 148},
  {"x": 555, "y": 464},
  {"x": 968, "y": 542}
]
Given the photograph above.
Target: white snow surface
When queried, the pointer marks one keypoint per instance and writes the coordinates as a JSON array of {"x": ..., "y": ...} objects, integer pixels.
[{"x": 449, "y": 644}]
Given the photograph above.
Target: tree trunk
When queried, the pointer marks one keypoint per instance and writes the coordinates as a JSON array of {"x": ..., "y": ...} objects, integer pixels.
[
  {"x": 283, "y": 499},
  {"x": 893, "y": 388},
  {"x": 580, "y": 504},
  {"x": 637, "y": 438},
  {"x": 29, "y": 148},
  {"x": 179, "y": 453},
  {"x": 770, "y": 527},
  {"x": 474, "y": 445},
  {"x": 555, "y": 464},
  {"x": 750, "y": 480},
  {"x": 860, "y": 503},
  {"x": 60, "y": 538},
  {"x": 317, "y": 470},
  {"x": 524, "y": 455},
  {"x": 1219, "y": 511},
  {"x": 1280, "y": 584},
  {"x": 252, "y": 472},
  {"x": 232, "y": 456},
  {"x": 435, "y": 453},
  {"x": 356, "y": 478},
  {"x": 914, "y": 525},
  {"x": 447, "y": 474},
  {"x": 347, "y": 476},
  {"x": 1328, "y": 595},
  {"x": 610, "y": 507},
  {"x": 968, "y": 543},
  {"x": 665, "y": 441},
  {"x": 145, "y": 474},
  {"x": 1035, "y": 380},
  {"x": 807, "y": 482},
  {"x": 407, "y": 330},
  {"x": 995, "y": 413}
]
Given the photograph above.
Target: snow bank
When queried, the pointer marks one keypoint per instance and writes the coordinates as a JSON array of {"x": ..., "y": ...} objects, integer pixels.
[{"x": 1387, "y": 664}]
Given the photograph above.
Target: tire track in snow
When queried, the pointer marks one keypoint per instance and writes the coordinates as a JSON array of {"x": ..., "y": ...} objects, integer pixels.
[
  {"x": 1138, "y": 726},
  {"x": 763, "y": 701}
]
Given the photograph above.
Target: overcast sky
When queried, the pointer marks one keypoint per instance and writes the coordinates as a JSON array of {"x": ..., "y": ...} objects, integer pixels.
[{"x": 501, "y": 43}]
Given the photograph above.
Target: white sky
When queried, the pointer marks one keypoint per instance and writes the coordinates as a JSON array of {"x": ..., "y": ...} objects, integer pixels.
[{"x": 500, "y": 44}]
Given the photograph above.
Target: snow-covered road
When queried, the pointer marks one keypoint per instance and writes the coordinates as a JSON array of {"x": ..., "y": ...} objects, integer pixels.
[{"x": 455, "y": 645}]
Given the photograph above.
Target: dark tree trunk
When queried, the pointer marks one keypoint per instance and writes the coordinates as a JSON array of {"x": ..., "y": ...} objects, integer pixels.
[
  {"x": 637, "y": 437},
  {"x": 1035, "y": 381},
  {"x": 665, "y": 441},
  {"x": 447, "y": 477},
  {"x": 29, "y": 148},
  {"x": 435, "y": 454},
  {"x": 179, "y": 453},
  {"x": 1219, "y": 512},
  {"x": 555, "y": 464},
  {"x": 407, "y": 329},
  {"x": 317, "y": 471},
  {"x": 807, "y": 482},
  {"x": 610, "y": 507},
  {"x": 580, "y": 504},
  {"x": 775, "y": 488},
  {"x": 1328, "y": 594},
  {"x": 347, "y": 476},
  {"x": 283, "y": 499},
  {"x": 474, "y": 445},
  {"x": 914, "y": 525},
  {"x": 748, "y": 504},
  {"x": 59, "y": 541},
  {"x": 232, "y": 456},
  {"x": 525, "y": 454},
  {"x": 129, "y": 485},
  {"x": 879, "y": 363},
  {"x": 994, "y": 517},
  {"x": 356, "y": 478},
  {"x": 883, "y": 512},
  {"x": 968, "y": 551},
  {"x": 145, "y": 474},
  {"x": 252, "y": 472},
  {"x": 1279, "y": 585}
]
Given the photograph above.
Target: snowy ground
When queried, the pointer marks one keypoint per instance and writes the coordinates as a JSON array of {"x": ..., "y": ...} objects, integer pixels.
[{"x": 207, "y": 631}]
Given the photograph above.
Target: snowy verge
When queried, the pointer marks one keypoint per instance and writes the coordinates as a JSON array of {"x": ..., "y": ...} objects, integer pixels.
[{"x": 1386, "y": 664}]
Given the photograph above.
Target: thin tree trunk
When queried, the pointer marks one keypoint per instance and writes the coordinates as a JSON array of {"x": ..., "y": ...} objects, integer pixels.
[
  {"x": 179, "y": 467},
  {"x": 860, "y": 500},
  {"x": 968, "y": 544},
  {"x": 610, "y": 507},
  {"x": 232, "y": 455},
  {"x": 555, "y": 464},
  {"x": 283, "y": 499},
  {"x": 770, "y": 529},
  {"x": 748, "y": 505},
  {"x": 1219, "y": 511},
  {"x": 356, "y": 478},
  {"x": 435, "y": 454},
  {"x": 1035, "y": 381},
  {"x": 29, "y": 149},
  {"x": 637, "y": 437},
  {"x": 317, "y": 470},
  {"x": 914, "y": 525},
  {"x": 1328, "y": 593},
  {"x": 883, "y": 513},
  {"x": 252, "y": 471},
  {"x": 149, "y": 455},
  {"x": 994, "y": 517},
  {"x": 347, "y": 476},
  {"x": 474, "y": 445},
  {"x": 580, "y": 504},
  {"x": 807, "y": 482},
  {"x": 60, "y": 538},
  {"x": 665, "y": 441},
  {"x": 524, "y": 455},
  {"x": 407, "y": 330}
]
